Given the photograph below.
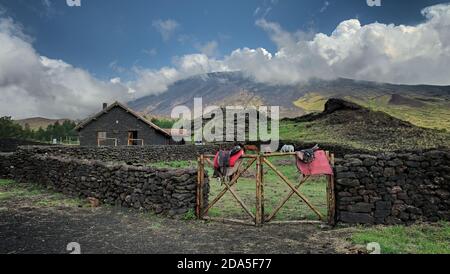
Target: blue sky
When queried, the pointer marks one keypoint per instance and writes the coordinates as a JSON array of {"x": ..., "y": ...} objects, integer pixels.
[
  {"x": 109, "y": 37},
  {"x": 108, "y": 50}
]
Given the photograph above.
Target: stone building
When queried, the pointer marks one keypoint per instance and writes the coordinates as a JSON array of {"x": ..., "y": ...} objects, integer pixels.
[{"x": 118, "y": 125}]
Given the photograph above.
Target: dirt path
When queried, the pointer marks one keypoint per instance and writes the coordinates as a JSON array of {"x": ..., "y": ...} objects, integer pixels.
[{"x": 27, "y": 228}]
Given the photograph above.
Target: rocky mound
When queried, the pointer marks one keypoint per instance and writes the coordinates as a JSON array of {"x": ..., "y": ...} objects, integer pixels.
[
  {"x": 335, "y": 104},
  {"x": 348, "y": 123},
  {"x": 339, "y": 111}
]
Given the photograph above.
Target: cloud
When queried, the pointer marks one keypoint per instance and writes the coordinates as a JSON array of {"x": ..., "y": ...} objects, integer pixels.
[
  {"x": 257, "y": 10},
  {"x": 209, "y": 48},
  {"x": 151, "y": 81},
  {"x": 116, "y": 80},
  {"x": 150, "y": 52},
  {"x": 48, "y": 9},
  {"x": 34, "y": 85},
  {"x": 166, "y": 28},
  {"x": 417, "y": 54},
  {"x": 325, "y": 6},
  {"x": 378, "y": 52},
  {"x": 266, "y": 7}
]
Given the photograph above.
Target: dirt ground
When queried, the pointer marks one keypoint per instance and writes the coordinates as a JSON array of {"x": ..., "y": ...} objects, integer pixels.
[{"x": 26, "y": 227}]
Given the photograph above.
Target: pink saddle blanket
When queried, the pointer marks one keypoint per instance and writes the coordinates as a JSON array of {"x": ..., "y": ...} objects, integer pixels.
[{"x": 320, "y": 165}]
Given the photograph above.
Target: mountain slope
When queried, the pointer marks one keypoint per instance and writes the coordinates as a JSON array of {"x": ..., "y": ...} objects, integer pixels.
[
  {"x": 220, "y": 89},
  {"x": 38, "y": 122},
  {"x": 346, "y": 123},
  {"x": 427, "y": 106}
]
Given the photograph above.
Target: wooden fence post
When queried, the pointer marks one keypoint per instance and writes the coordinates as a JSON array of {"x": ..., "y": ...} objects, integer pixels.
[
  {"x": 262, "y": 189},
  {"x": 200, "y": 185},
  {"x": 331, "y": 198},
  {"x": 198, "y": 209},
  {"x": 202, "y": 180},
  {"x": 258, "y": 216}
]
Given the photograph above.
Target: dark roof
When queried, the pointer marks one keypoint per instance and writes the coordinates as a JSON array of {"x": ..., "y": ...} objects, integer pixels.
[{"x": 128, "y": 110}]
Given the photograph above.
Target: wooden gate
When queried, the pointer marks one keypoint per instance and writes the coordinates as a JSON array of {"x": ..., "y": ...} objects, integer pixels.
[{"x": 260, "y": 218}]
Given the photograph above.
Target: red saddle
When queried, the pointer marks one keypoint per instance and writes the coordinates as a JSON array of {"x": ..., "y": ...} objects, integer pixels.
[{"x": 230, "y": 159}]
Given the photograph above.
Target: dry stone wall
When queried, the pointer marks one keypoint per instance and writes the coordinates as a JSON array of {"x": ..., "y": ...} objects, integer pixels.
[
  {"x": 11, "y": 144},
  {"x": 161, "y": 190},
  {"x": 132, "y": 155},
  {"x": 393, "y": 188}
]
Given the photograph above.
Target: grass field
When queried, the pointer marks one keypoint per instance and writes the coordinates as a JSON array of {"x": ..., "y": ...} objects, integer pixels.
[
  {"x": 416, "y": 239},
  {"x": 40, "y": 196},
  {"x": 275, "y": 190}
]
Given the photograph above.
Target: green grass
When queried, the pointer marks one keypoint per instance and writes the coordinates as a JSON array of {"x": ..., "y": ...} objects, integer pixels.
[
  {"x": 434, "y": 115},
  {"x": 175, "y": 164},
  {"x": 416, "y": 239},
  {"x": 274, "y": 189},
  {"x": 312, "y": 102},
  {"x": 5, "y": 182},
  {"x": 190, "y": 215},
  {"x": 39, "y": 196}
]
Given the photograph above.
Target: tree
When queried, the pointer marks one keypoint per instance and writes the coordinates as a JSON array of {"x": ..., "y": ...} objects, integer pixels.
[
  {"x": 40, "y": 134},
  {"x": 27, "y": 132},
  {"x": 9, "y": 129}
]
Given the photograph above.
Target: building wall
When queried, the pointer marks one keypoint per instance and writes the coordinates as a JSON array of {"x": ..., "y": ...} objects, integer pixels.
[{"x": 117, "y": 123}]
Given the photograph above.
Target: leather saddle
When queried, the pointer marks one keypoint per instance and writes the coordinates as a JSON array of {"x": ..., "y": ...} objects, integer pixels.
[
  {"x": 307, "y": 156},
  {"x": 226, "y": 159}
]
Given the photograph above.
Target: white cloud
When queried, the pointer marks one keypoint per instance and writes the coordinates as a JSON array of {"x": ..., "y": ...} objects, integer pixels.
[
  {"x": 150, "y": 81},
  {"x": 324, "y": 7},
  {"x": 256, "y": 12},
  {"x": 150, "y": 52},
  {"x": 116, "y": 80},
  {"x": 417, "y": 54},
  {"x": 166, "y": 28},
  {"x": 209, "y": 48},
  {"x": 34, "y": 85}
]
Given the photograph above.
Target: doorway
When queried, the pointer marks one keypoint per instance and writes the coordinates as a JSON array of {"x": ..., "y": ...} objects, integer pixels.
[{"x": 133, "y": 138}]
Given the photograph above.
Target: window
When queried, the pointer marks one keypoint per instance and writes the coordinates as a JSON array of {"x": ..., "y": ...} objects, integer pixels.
[
  {"x": 101, "y": 138},
  {"x": 101, "y": 135}
]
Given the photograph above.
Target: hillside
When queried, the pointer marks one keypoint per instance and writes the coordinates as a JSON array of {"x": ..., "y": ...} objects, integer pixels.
[
  {"x": 425, "y": 106},
  {"x": 349, "y": 124},
  {"x": 37, "y": 122}
]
